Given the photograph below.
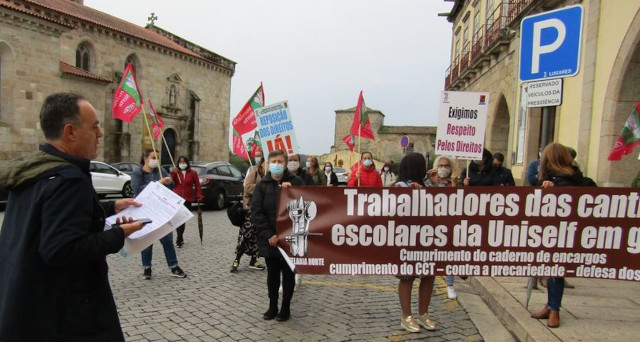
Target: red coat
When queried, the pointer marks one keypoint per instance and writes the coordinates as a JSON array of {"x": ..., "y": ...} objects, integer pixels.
[
  {"x": 184, "y": 185},
  {"x": 369, "y": 176}
]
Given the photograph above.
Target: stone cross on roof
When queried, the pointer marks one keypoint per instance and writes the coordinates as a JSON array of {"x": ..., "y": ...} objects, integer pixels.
[{"x": 152, "y": 18}]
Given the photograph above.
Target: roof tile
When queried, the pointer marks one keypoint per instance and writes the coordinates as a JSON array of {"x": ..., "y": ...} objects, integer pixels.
[{"x": 71, "y": 70}]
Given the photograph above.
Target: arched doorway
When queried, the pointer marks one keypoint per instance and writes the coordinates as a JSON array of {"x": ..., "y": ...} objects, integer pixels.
[
  {"x": 170, "y": 138},
  {"x": 623, "y": 92},
  {"x": 499, "y": 133}
]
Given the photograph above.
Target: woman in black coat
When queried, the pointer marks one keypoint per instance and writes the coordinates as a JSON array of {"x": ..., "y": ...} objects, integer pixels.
[
  {"x": 332, "y": 178},
  {"x": 263, "y": 215}
]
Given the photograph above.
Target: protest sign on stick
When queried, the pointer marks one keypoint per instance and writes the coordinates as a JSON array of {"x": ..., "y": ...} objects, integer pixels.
[{"x": 275, "y": 127}]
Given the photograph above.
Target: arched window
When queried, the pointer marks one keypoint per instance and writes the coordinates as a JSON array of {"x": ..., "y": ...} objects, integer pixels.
[
  {"x": 133, "y": 60},
  {"x": 83, "y": 56}
]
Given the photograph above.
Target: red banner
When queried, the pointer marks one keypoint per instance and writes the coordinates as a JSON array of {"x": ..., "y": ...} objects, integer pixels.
[{"x": 480, "y": 231}]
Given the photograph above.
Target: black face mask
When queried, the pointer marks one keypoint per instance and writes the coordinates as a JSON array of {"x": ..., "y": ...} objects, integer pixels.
[{"x": 497, "y": 167}]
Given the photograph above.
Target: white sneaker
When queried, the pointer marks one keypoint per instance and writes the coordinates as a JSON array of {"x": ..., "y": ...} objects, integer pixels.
[{"x": 451, "y": 293}]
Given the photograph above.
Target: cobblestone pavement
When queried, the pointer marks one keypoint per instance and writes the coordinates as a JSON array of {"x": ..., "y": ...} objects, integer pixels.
[{"x": 213, "y": 304}]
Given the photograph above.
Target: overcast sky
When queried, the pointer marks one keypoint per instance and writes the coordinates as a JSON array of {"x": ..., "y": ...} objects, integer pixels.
[{"x": 317, "y": 55}]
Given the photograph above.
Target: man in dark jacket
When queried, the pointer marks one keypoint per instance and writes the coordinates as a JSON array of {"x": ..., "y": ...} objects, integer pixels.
[
  {"x": 53, "y": 272},
  {"x": 263, "y": 214}
]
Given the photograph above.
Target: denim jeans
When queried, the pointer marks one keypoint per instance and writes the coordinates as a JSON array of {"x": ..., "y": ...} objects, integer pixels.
[
  {"x": 169, "y": 252},
  {"x": 555, "y": 289},
  {"x": 449, "y": 280}
]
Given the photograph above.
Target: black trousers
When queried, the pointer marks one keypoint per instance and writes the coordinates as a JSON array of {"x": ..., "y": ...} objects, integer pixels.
[
  {"x": 180, "y": 230},
  {"x": 275, "y": 267}
]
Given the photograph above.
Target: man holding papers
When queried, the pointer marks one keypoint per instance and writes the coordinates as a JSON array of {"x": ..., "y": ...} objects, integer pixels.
[{"x": 54, "y": 282}]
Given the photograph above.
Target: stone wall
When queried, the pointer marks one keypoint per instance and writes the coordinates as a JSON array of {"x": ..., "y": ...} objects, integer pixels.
[
  {"x": 30, "y": 52},
  {"x": 386, "y": 147}
]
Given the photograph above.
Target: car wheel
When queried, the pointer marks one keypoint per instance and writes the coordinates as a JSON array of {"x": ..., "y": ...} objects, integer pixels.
[
  {"x": 219, "y": 200},
  {"x": 127, "y": 191}
]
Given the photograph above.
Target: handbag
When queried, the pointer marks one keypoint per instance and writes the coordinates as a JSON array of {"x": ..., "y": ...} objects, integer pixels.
[{"x": 236, "y": 214}]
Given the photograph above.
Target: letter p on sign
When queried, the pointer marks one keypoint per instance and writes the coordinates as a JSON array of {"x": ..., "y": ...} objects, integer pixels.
[
  {"x": 550, "y": 44},
  {"x": 538, "y": 48}
]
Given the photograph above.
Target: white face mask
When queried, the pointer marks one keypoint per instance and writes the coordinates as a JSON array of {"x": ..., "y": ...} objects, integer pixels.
[
  {"x": 182, "y": 166},
  {"x": 328, "y": 168},
  {"x": 367, "y": 162},
  {"x": 293, "y": 165},
  {"x": 308, "y": 164},
  {"x": 444, "y": 172},
  {"x": 386, "y": 169},
  {"x": 153, "y": 163},
  {"x": 258, "y": 160}
]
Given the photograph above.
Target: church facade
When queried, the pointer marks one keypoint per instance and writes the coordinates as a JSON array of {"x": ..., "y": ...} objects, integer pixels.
[{"x": 49, "y": 46}]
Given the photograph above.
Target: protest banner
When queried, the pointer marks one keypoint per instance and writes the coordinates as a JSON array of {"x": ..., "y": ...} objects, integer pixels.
[
  {"x": 276, "y": 128},
  {"x": 481, "y": 231},
  {"x": 461, "y": 124}
]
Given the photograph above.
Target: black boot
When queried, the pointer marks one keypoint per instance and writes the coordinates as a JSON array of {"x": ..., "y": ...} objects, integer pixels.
[
  {"x": 284, "y": 313},
  {"x": 273, "y": 310}
]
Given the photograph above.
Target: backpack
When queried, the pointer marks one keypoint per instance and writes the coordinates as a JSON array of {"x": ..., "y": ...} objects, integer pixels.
[{"x": 236, "y": 214}]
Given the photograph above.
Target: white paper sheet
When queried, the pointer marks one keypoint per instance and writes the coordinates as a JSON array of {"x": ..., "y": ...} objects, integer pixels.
[{"x": 163, "y": 206}]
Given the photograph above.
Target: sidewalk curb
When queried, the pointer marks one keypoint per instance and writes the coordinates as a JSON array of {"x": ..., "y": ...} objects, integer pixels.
[{"x": 514, "y": 316}]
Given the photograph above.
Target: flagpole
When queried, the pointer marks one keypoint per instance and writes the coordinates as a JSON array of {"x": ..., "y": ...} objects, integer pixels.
[
  {"x": 170, "y": 156},
  {"x": 359, "y": 150},
  {"x": 153, "y": 144}
]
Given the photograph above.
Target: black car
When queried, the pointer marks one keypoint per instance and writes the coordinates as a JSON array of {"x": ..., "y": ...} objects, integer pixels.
[
  {"x": 221, "y": 183},
  {"x": 126, "y": 167}
]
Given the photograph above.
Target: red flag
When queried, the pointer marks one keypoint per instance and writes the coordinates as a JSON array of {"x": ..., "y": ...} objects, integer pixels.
[
  {"x": 361, "y": 125},
  {"x": 238, "y": 147},
  {"x": 156, "y": 122},
  {"x": 629, "y": 137},
  {"x": 127, "y": 99},
  {"x": 245, "y": 120},
  {"x": 350, "y": 141}
]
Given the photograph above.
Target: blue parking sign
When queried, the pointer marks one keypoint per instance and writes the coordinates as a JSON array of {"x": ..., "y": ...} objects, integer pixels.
[{"x": 550, "y": 44}]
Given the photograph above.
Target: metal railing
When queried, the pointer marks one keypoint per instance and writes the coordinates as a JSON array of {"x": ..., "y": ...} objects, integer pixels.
[
  {"x": 496, "y": 25},
  {"x": 464, "y": 58},
  {"x": 477, "y": 45}
]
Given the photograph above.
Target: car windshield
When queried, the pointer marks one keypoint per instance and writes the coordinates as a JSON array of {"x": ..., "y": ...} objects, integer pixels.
[
  {"x": 338, "y": 170},
  {"x": 201, "y": 170}
]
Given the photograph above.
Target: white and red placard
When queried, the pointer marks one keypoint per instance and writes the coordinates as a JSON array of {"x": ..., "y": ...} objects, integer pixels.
[{"x": 462, "y": 122}]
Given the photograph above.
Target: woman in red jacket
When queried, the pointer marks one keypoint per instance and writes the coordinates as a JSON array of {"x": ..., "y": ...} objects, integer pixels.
[
  {"x": 185, "y": 180},
  {"x": 365, "y": 171}
]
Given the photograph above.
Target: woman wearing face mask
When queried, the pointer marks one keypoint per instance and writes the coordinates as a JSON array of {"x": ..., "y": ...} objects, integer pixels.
[
  {"x": 332, "y": 178},
  {"x": 140, "y": 178},
  {"x": 365, "y": 173},
  {"x": 263, "y": 215},
  {"x": 293, "y": 165},
  {"x": 442, "y": 175},
  {"x": 313, "y": 169},
  {"x": 481, "y": 172},
  {"x": 185, "y": 180},
  {"x": 247, "y": 240},
  {"x": 388, "y": 178}
]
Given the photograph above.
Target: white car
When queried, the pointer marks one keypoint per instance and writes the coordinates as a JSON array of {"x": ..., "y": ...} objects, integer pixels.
[
  {"x": 342, "y": 174},
  {"x": 108, "y": 180}
]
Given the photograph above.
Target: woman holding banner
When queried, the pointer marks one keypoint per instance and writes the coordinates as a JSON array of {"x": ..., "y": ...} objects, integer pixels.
[
  {"x": 557, "y": 169},
  {"x": 263, "y": 214},
  {"x": 443, "y": 174},
  {"x": 413, "y": 170}
]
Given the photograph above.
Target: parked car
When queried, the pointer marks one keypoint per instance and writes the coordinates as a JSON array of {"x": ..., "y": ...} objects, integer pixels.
[
  {"x": 221, "y": 183},
  {"x": 108, "y": 180},
  {"x": 342, "y": 174},
  {"x": 126, "y": 167}
]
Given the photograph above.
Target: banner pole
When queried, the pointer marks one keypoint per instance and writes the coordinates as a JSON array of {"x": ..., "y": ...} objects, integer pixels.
[
  {"x": 359, "y": 152},
  {"x": 170, "y": 156},
  {"x": 467, "y": 170},
  {"x": 153, "y": 144}
]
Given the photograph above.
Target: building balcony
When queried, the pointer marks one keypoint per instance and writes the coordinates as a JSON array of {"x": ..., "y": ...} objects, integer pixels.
[{"x": 515, "y": 10}]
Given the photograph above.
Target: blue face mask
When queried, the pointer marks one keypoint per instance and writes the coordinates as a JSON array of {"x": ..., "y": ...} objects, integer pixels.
[
  {"x": 276, "y": 169},
  {"x": 367, "y": 162}
]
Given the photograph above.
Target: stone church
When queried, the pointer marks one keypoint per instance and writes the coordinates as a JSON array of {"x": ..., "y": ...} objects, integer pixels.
[
  {"x": 49, "y": 46},
  {"x": 387, "y": 146}
]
